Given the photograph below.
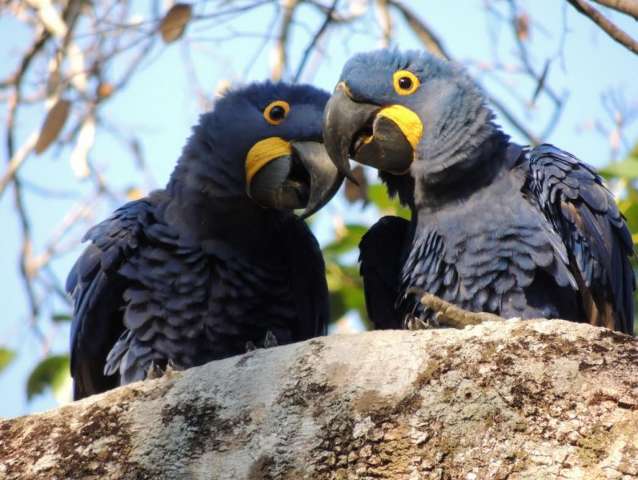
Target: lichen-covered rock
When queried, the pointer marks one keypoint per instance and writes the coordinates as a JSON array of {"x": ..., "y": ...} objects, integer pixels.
[{"x": 515, "y": 399}]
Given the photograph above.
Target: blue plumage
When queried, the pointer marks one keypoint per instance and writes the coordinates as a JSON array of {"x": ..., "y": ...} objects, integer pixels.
[
  {"x": 216, "y": 260},
  {"x": 495, "y": 227}
]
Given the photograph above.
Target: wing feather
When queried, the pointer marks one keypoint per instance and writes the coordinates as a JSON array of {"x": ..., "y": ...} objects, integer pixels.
[
  {"x": 573, "y": 198},
  {"x": 96, "y": 286}
]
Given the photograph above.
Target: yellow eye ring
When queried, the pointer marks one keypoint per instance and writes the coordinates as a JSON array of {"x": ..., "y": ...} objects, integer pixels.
[
  {"x": 405, "y": 82},
  {"x": 276, "y": 112}
]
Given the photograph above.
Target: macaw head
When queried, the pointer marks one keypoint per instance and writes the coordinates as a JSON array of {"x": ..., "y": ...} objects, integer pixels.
[
  {"x": 412, "y": 116},
  {"x": 262, "y": 143}
]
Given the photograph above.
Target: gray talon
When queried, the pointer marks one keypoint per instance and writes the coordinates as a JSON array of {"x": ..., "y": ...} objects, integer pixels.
[{"x": 270, "y": 340}]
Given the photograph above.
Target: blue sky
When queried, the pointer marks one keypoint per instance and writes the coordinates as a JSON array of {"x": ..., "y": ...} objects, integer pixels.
[{"x": 159, "y": 106}]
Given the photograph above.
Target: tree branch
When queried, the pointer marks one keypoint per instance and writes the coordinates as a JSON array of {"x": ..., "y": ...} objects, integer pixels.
[
  {"x": 427, "y": 37},
  {"x": 280, "y": 57},
  {"x": 432, "y": 43},
  {"x": 315, "y": 39},
  {"x": 523, "y": 399},
  {"x": 629, "y": 7},
  {"x": 605, "y": 24}
]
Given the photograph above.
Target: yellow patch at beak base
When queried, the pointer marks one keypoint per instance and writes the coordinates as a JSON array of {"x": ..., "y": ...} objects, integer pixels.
[
  {"x": 408, "y": 121},
  {"x": 263, "y": 152}
]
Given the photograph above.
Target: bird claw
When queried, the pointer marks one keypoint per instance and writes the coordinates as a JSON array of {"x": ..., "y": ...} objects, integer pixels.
[
  {"x": 171, "y": 367},
  {"x": 154, "y": 371},
  {"x": 421, "y": 318},
  {"x": 270, "y": 340},
  {"x": 422, "y": 322}
]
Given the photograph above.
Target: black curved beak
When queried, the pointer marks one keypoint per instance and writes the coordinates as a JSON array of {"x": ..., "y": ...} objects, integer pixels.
[
  {"x": 343, "y": 119},
  {"x": 304, "y": 179},
  {"x": 370, "y": 134},
  {"x": 325, "y": 179}
]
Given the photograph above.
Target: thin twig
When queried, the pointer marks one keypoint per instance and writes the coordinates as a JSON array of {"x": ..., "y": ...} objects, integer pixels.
[
  {"x": 313, "y": 42},
  {"x": 16, "y": 161},
  {"x": 427, "y": 37},
  {"x": 605, "y": 24},
  {"x": 385, "y": 22},
  {"x": 509, "y": 116},
  {"x": 432, "y": 43},
  {"x": 280, "y": 57}
]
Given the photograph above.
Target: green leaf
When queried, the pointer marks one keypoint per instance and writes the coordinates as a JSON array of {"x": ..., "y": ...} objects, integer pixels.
[
  {"x": 61, "y": 317},
  {"x": 337, "y": 306},
  {"x": 627, "y": 168},
  {"x": 349, "y": 241},
  {"x": 6, "y": 356},
  {"x": 49, "y": 373},
  {"x": 378, "y": 195}
]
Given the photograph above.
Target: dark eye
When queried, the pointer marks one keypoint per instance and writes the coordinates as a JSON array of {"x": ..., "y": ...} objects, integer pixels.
[
  {"x": 405, "y": 83},
  {"x": 276, "y": 112}
]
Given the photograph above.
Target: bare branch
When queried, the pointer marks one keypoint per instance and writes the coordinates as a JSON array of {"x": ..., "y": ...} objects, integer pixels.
[
  {"x": 605, "y": 24},
  {"x": 531, "y": 136},
  {"x": 279, "y": 51},
  {"x": 630, "y": 7},
  {"x": 435, "y": 46},
  {"x": 385, "y": 21},
  {"x": 429, "y": 39},
  {"x": 16, "y": 161},
  {"x": 315, "y": 39},
  {"x": 356, "y": 11}
]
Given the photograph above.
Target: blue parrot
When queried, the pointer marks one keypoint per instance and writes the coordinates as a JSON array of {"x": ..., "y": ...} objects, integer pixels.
[
  {"x": 495, "y": 227},
  {"x": 217, "y": 261}
]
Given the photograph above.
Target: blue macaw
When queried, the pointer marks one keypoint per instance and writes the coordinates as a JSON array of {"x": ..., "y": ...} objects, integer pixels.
[
  {"x": 495, "y": 227},
  {"x": 216, "y": 261}
]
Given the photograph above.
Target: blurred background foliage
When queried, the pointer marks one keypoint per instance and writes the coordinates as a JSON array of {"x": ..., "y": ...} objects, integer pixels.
[{"x": 89, "y": 91}]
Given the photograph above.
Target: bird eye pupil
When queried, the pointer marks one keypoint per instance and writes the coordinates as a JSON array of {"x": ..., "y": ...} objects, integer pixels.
[
  {"x": 277, "y": 112},
  {"x": 405, "y": 83}
]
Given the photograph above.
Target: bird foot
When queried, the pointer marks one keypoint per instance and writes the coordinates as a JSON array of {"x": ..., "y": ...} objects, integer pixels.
[
  {"x": 449, "y": 315},
  {"x": 434, "y": 312}
]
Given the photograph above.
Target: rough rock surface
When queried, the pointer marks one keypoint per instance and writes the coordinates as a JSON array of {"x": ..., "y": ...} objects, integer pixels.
[{"x": 535, "y": 399}]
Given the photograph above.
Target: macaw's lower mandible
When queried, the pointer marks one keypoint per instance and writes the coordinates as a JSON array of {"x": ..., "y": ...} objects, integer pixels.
[
  {"x": 496, "y": 227},
  {"x": 216, "y": 262}
]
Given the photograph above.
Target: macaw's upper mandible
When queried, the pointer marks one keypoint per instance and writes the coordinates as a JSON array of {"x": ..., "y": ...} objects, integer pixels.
[
  {"x": 216, "y": 262},
  {"x": 496, "y": 227}
]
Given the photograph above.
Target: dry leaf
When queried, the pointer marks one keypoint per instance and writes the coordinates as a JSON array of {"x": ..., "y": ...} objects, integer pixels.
[
  {"x": 222, "y": 88},
  {"x": 357, "y": 192},
  {"x": 50, "y": 17},
  {"x": 614, "y": 139},
  {"x": 54, "y": 80},
  {"x": 134, "y": 193},
  {"x": 104, "y": 89},
  {"x": 79, "y": 158},
  {"x": 77, "y": 69},
  {"x": 522, "y": 27},
  {"x": 53, "y": 124},
  {"x": 174, "y": 22}
]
